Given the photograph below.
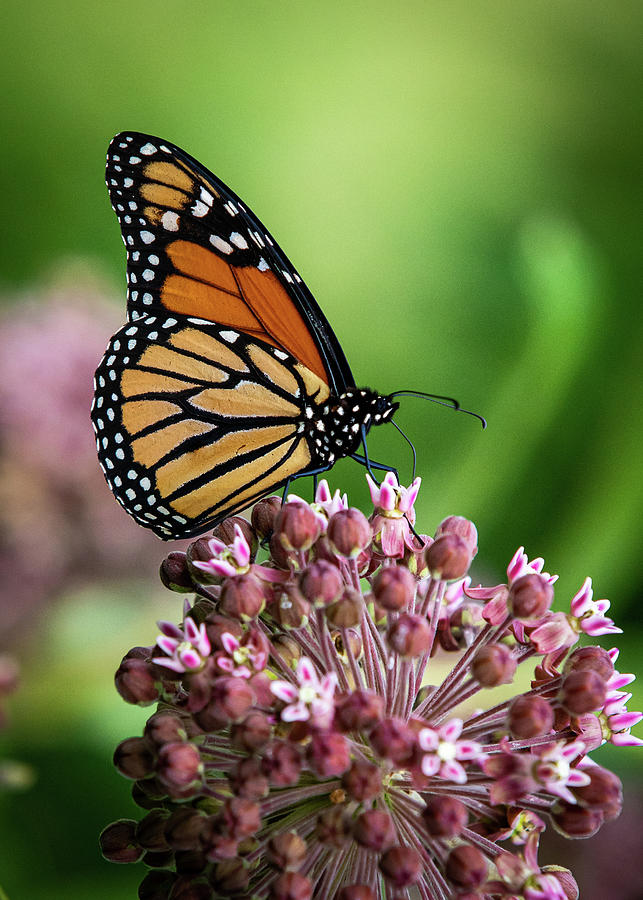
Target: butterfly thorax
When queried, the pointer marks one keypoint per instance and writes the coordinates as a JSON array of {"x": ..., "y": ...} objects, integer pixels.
[{"x": 335, "y": 429}]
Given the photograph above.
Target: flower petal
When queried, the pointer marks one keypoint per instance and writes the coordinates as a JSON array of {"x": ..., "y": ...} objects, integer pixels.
[{"x": 284, "y": 690}]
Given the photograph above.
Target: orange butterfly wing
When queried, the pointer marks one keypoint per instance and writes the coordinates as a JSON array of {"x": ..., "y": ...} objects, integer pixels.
[{"x": 195, "y": 250}]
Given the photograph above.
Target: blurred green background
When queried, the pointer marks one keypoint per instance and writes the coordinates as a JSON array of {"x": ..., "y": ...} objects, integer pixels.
[{"x": 459, "y": 184}]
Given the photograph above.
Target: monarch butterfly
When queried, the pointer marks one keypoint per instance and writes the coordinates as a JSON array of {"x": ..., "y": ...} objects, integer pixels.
[{"x": 226, "y": 380}]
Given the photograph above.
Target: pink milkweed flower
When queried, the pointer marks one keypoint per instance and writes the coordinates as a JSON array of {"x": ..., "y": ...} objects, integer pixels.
[
  {"x": 324, "y": 505},
  {"x": 187, "y": 647},
  {"x": 227, "y": 559},
  {"x": 552, "y": 768},
  {"x": 243, "y": 658},
  {"x": 589, "y": 613},
  {"x": 554, "y": 633},
  {"x": 394, "y": 514},
  {"x": 443, "y": 750},
  {"x": 495, "y": 611},
  {"x": 312, "y": 698},
  {"x": 234, "y": 559},
  {"x": 522, "y": 823},
  {"x": 616, "y": 721}
]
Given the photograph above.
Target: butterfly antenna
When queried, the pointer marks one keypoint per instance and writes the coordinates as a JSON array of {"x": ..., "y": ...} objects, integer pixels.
[
  {"x": 411, "y": 445},
  {"x": 451, "y": 402}
]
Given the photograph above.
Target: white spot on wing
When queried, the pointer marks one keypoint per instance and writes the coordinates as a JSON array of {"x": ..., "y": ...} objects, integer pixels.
[
  {"x": 148, "y": 149},
  {"x": 219, "y": 244},
  {"x": 238, "y": 240},
  {"x": 170, "y": 221}
]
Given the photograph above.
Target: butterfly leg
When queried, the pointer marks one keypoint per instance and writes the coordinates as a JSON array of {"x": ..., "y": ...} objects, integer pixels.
[
  {"x": 313, "y": 472},
  {"x": 370, "y": 464}
]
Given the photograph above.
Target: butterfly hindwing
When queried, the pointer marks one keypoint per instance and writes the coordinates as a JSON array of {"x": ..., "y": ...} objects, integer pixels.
[
  {"x": 195, "y": 421},
  {"x": 194, "y": 249}
]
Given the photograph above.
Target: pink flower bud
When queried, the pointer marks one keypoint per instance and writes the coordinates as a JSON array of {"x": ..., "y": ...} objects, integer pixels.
[
  {"x": 183, "y": 828},
  {"x": 393, "y": 739},
  {"x": 347, "y": 611},
  {"x": 134, "y": 758},
  {"x": 449, "y": 557},
  {"x": 329, "y": 754},
  {"x": 409, "y": 636},
  {"x": 374, "y": 830},
  {"x": 467, "y": 867},
  {"x": 574, "y": 821},
  {"x": 175, "y": 572},
  {"x": 230, "y": 877},
  {"x": 604, "y": 791},
  {"x": 349, "y": 532},
  {"x": 242, "y": 597},
  {"x": 264, "y": 515},
  {"x": 118, "y": 842},
  {"x": 394, "y": 587},
  {"x": 138, "y": 681},
  {"x": 287, "y": 850},
  {"x": 321, "y": 583},
  {"x": 363, "y": 781},
  {"x": 333, "y": 826},
  {"x": 591, "y": 657},
  {"x": 290, "y": 608},
  {"x": 282, "y": 763},
  {"x": 530, "y": 596},
  {"x": 231, "y": 697},
  {"x": 241, "y": 816},
  {"x": 401, "y": 866},
  {"x": 248, "y": 780},
  {"x": 291, "y": 886},
  {"x": 582, "y": 691},
  {"x": 565, "y": 879},
  {"x": 494, "y": 664},
  {"x": 444, "y": 816},
  {"x": 297, "y": 526},
  {"x": 461, "y": 527},
  {"x": 179, "y": 767},
  {"x": 253, "y": 733},
  {"x": 225, "y": 532},
  {"x": 359, "y": 711},
  {"x": 529, "y": 716}
]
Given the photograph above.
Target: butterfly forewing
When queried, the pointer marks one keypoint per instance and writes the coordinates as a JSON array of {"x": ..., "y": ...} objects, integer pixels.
[
  {"x": 193, "y": 249},
  {"x": 195, "y": 421}
]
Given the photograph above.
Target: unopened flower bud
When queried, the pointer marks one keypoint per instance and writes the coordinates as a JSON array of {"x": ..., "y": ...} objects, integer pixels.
[
  {"x": 179, "y": 767},
  {"x": 199, "y": 551},
  {"x": 287, "y": 850},
  {"x": 288, "y": 648},
  {"x": 165, "y": 727},
  {"x": 321, "y": 583},
  {"x": 592, "y": 657},
  {"x": 231, "y": 697},
  {"x": 461, "y": 527},
  {"x": 582, "y": 691},
  {"x": 394, "y": 587},
  {"x": 604, "y": 791},
  {"x": 359, "y": 710},
  {"x": 329, "y": 754},
  {"x": 242, "y": 597},
  {"x": 467, "y": 867},
  {"x": 401, "y": 866},
  {"x": 347, "y": 611},
  {"x": 529, "y": 716},
  {"x": 253, "y": 733},
  {"x": 264, "y": 514},
  {"x": 374, "y": 830},
  {"x": 363, "y": 781},
  {"x": 282, "y": 763},
  {"x": 297, "y": 527},
  {"x": 493, "y": 664},
  {"x": 150, "y": 831},
  {"x": 393, "y": 739},
  {"x": 333, "y": 826},
  {"x": 290, "y": 608},
  {"x": 409, "y": 636},
  {"x": 137, "y": 681},
  {"x": 348, "y": 636},
  {"x": 530, "y": 596},
  {"x": 574, "y": 821},
  {"x": 248, "y": 780},
  {"x": 217, "y": 625},
  {"x": 230, "y": 877},
  {"x": 183, "y": 828},
  {"x": 189, "y": 862},
  {"x": 356, "y": 892},
  {"x": 291, "y": 885},
  {"x": 449, "y": 557},
  {"x": 444, "y": 816},
  {"x": 175, "y": 572},
  {"x": 241, "y": 816},
  {"x": 349, "y": 532},
  {"x": 225, "y": 532},
  {"x": 118, "y": 842},
  {"x": 565, "y": 879},
  {"x": 134, "y": 758}
]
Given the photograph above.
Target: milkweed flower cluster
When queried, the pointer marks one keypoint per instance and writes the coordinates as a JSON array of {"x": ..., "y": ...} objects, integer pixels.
[{"x": 302, "y": 746}]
